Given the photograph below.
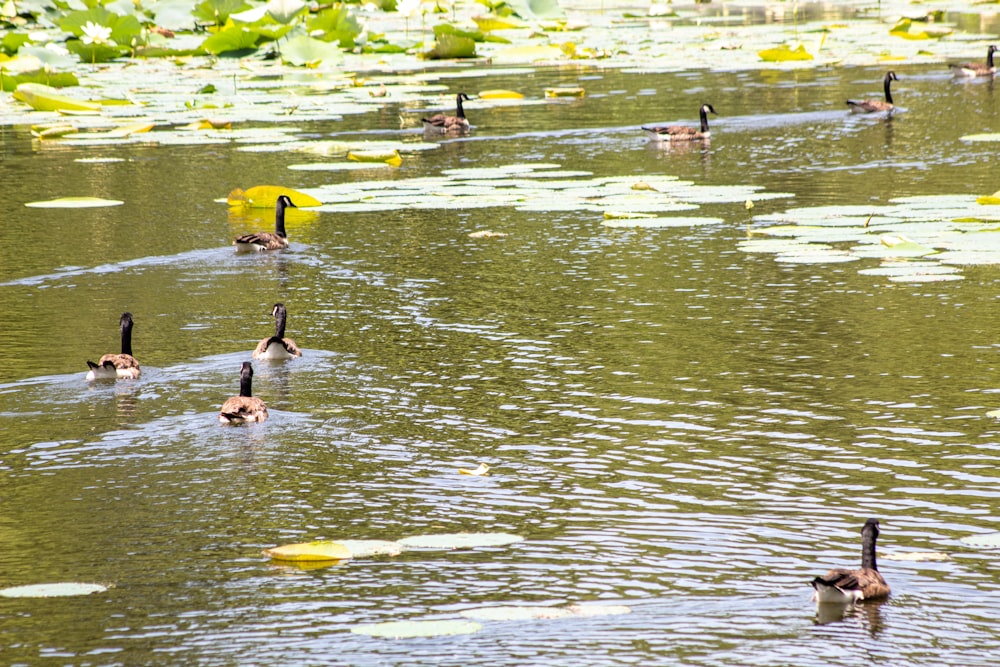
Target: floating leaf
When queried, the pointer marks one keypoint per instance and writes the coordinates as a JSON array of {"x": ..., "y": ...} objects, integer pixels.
[
  {"x": 303, "y": 50},
  {"x": 499, "y": 94},
  {"x": 75, "y": 202},
  {"x": 44, "y": 98},
  {"x": 52, "y": 131},
  {"x": 565, "y": 92},
  {"x": 310, "y": 551},
  {"x": 486, "y": 234},
  {"x": 987, "y": 136},
  {"x": 408, "y": 629},
  {"x": 905, "y": 247},
  {"x": 482, "y": 469},
  {"x": 391, "y": 158},
  {"x": 917, "y": 556},
  {"x": 233, "y": 39},
  {"x": 904, "y": 29},
  {"x": 533, "y": 53},
  {"x": 515, "y": 613},
  {"x": 448, "y": 541},
  {"x": 660, "y": 222},
  {"x": 372, "y": 548},
  {"x": 989, "y": 200},
  {"x": 988, "y": 540},
  {"x": 783, "y": 53},
  {"x": 491, "y": 22},
  {"x": 264, "y": 196},
  {"x": 51, "y": 590}
]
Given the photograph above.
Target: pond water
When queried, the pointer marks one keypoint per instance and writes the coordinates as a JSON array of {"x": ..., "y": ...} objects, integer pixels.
[{"x": 672, "y": 424}]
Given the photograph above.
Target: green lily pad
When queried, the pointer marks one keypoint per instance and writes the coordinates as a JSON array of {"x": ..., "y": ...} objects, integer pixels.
[
  {"x": 409, "y": 629},
  {"x": 303, "y": 50},
  {"x": 51, "y": 590},
  {"x": 661, "y": 222},
  {"x": 372, "y": 548},
  {"x": 449, "y": 541},
  {"x": 44, "y": 98},
  {"x": 75, "y": 202}
]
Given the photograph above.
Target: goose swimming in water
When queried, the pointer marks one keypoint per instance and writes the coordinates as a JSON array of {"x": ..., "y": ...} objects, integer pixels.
[
  {"x": 845, "y": 586},
  {"x": 243, "y": 408},
  {"x": 260, "y": 241},
  {"x": 681, "y": 132},
  {"x": 977, "y": 69},
  {"x": 117, "y": 366},
  {"x": 277, "y": 347},
  {"x": 875, "y": 106},
  {"x": 445, "y": 124}
]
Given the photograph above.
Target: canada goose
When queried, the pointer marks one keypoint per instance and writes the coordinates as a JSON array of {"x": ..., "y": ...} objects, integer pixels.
[
  {"x": 976, "y": 69},
  {"x": 681, "y": 132},
  {"x": 844, "y": 586},
  {"x": 873, "y": 106},
  {"x": 260, "y": 241},
  {"x": 445, "y": 124},
  {"x": 117, "y": 366},
  {"x": 277, "y": 347},
  {"x": 243, "y": 408}
]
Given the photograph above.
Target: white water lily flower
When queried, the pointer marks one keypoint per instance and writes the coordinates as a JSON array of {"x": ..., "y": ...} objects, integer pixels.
[
  {"x": 58, "y": 49},
  {"x": 94, "y": 33}
]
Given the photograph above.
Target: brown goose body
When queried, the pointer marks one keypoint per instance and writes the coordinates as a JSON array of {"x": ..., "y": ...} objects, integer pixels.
[
  {"x": 846, "y": 586},
  {"x": 681, "y": 132},
  {"x": 445, "y": 124},
  {"x": 977, "y": 69},
  {"x": 117, "y": 366},
  {"x": 277, "y": 347},
  {"x": 873, "y": 105},
  {"x": 245, "y": 407},
  {"x": 261, "y": 241}
]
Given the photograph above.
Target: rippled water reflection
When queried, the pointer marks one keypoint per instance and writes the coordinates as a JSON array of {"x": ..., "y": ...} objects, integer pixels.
[{"x": 672, "y": 424}]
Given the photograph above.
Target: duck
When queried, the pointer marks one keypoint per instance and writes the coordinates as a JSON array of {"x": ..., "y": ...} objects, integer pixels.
[
  {"x": 261, "y": 241},
  {"x": 117, "y": 366},
  {"x": 875, "y": 106},
  {"x": 681, "y": 132},
  {"x": 243, "y": 408},
  {"x": 845, "y": 586},
  {"x": 977, "y": 69},
  {"x": 277, "y": 347},
  {"x": 445, "y": 124}
]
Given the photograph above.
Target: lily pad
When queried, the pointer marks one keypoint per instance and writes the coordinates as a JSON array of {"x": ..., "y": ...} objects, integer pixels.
[
  {"x": 391, "y": 158},
  {"x": 75, "y": 202},
  {"x": 515, "y": 613},
  {"x": 661, "y": 222},
  {"x": 986, "y": 136},
  {"x": 988, "y": 540},
  {"x": 310, "y": 551},
  {"x": 44, "y": 98},
  {"x": 565, "y": 92},
  {"x": 372, "y": 548},
  {"x": 408, "y": 629},
  {"x": 264, "y": 196},
  {"x": 784, "y": 53},
  {"x": 51, "y": 590},
  {"x": 917, "y": 556},
  {"x": 449, "y": 541}
]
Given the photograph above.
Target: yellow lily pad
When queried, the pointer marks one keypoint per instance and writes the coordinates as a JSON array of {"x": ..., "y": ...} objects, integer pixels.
[
  {"x": 52, "y": 131},
  {"x": 310, "y": 551},
  {"x": 990, "y": 200},
  {"x": 500, "y": 94},
  {"x": 564, "y": 92},
  {"x": 45, "y": 98},
  {"x": 784, "y": 53},
  {"x": 491, "y": 22},
  {"x": 481, "y": 470},
  {"x": 264, "y": 196},
  {"x": 389, "y": 157}
]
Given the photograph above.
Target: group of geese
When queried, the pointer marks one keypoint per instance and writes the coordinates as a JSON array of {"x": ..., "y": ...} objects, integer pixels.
[
  {"x": 244, "y": 407},
  {"x": 840, "y": 586},
  {"x": 668, "y": 133}
]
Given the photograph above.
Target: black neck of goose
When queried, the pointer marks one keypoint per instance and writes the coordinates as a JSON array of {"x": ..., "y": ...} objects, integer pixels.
[
  {"x": 888, "y": 93},
  {"x": 279, "y": 323},
  {"x": 704, "y": 120},
  {"x": 279, "y": 219},
  {"x": 989, "y": 57},
  {"x": 459, "y": 111},
  {"x": 868, "y": 549},
  {"x": 127, "y": 337},
  {"x": 246, "y": 383}
]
